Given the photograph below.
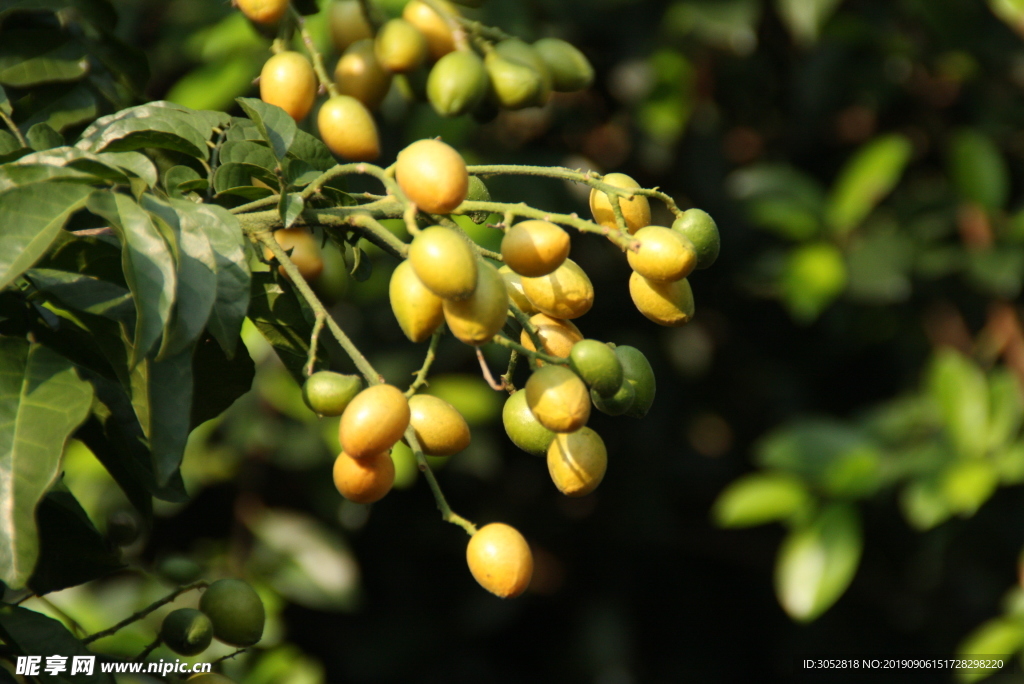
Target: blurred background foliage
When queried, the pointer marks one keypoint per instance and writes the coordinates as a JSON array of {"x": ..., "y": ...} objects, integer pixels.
[{"x": 849, "y": 393}]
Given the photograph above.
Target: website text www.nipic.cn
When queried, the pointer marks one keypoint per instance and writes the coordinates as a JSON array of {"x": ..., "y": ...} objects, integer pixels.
[{"x": 86, "y": 665}]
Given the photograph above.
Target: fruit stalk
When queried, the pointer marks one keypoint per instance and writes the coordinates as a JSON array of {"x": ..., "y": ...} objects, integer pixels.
[
  {"x": 621, "y": 237},
  {"x": 326, "y": 81},
  {"x": 134, "y": 617},
  {"x": 314, "y": 340},
  {"x": 421, "y": 375},
  {"x": 447, "y": 514}
]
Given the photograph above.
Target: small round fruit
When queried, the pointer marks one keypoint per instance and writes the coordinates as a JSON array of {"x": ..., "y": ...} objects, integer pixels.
[
  {"x": 179, "y": 569},
  {"x": 478, "y": 192},
  {"x": 520, "y": 52},
  {"x": 444, "y": 262},
  {"x": 478, "y": 318},
  {"x": 288, "y": 81},
  {"x": 535, "y": 248},
  {"x": 433, "y": 175},
  {"x": 186, "y": 631},
  {"x": 570, "y": 70},
  {"x": 514, "y": 284},
  {"x": 598, "y": 365},
  {"x": 434, "y": 28},
  {"x": 400, "y": 46},
  {"x": 500, "y": 560},
  {"x": 439, "y": 427},
  {"x": 328, "y": 393},
  {"x": 364, "y": 480},
  {"x": 577, "y": 462},
  {"x": 558, "y": 398},
  {"x": 360, "y": 75},
  {"x": 417, "y": 309},
  {"x": 347, "y": 128},
  {"x": 373, "y": 421},
  {"x": 556, "y": 336},
  {"x": 305, "y": 252},
  {"x": 636, "y": 210},
  {"x": 236, "y": 611},
  {"x": 666, "y": 303},
  {"x": 636, "y": 369},
  {"x": 566, "y": 292},
  {"x": 513, "y": 85},
  {"x": 523, "y": 428},
  {"x": 618, "y": 403},
  {"x": 263, "y": 11},
  {"x": 663, "y": 254},
  {"x": 457, "y": 83},
  {"x": 348, "y": 24},
  {"x": 702, "y": 231}
]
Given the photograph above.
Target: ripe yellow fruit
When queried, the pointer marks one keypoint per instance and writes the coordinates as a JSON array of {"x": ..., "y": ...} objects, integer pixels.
[
  {"x": 364, "y": 480},
  {"x": 434, "y": 28},
  {"x": 500, "y": 560},
  {"x": 417, "y": 309},
  {"x": 440, "y": 428},
  {"x": 577, "y": 461},
  {"x": 263, "y": 11},
  {"x": 556, "y": 336},
  {"x": 444, "y": 262},
  {"x": 636, "y": 210},
  {"x": 558, "y": 399},
  {"x": 400, "y": 46},
  {"x": 666, "y": 303},
  {"x": 360, "y": 75},
  {"x": 514, "y": 284},
  {"x": 305, "y": 252},
  {"x": 564, "y": 293},
  {"x": 288, "y": 81},
  {"x": 663, "y": 254},
  {"x": 373, "y": 421},
  {"x": 478, "y": 318},
  {"x": 433, "y": 175},
  {"x": 535, "y": 248},
  {"x": 347, "y": 24},
  {"x": 347, "y": 128}
]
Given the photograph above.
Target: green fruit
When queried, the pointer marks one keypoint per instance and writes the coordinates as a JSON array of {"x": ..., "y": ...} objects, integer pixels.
[
  {"x": 598, "y": 365},
  {"x": 703, "y": 233},
  {"x": 523, "y": 428},
  {"x": 637, "y": 370},
  {"x": 457, "y": 83},
  {"x": 519, "y": 52},
  {"x": 236, "y": 611},
  {"x": 570, "y": 70},
  {"x": 514, "y": 85},
  {"x": 186, "y": 631},
  {"x": 179, "y": 569},
  {"x": 478, "y": 192},
  {"x": 122, "y": 528},
  {"x": 328, "y": 393},
  {"x": 618, "y": 403}
]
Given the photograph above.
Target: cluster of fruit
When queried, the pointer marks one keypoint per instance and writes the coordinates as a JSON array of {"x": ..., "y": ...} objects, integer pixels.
[{"x": 229, "y": 610}]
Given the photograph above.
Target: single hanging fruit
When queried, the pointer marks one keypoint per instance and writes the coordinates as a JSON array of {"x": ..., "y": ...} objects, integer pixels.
[
  {"x": 500, "y": 560},
  {"x": 347, "y": 128},
  {"x": 433, "y": 175},
  {"x": 288, "y": 81},
  {"x": 444, "y": 262},
  {"x": 417, "y": 309}
]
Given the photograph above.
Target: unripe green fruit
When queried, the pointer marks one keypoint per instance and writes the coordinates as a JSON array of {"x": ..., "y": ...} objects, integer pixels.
[
  {"x": 417, "y": 309},
  {"x": 615, "y": 404},
  {"x": 187, "y": 631},
  {"x": 478, "y": 318},
  {"x": 328, "y": 393},
  {"x": 514, "y": 85},
  {"x": 520, "y": 52},
  {"x": 444, "y": 262},
  {"x": 577, "y": 462},
  {"x": 478, "y": 192},
  {"x": 523, "y": 428},
  {"x": 570, "y": 70},
  {"x": 457, "y": 83},
  {"x": 558, "y": 398},
  {"x": 702, "y": 231},
  {"x": 598, "y": 365},
  {"x": 236, "y": 611},
  {"x": 400, "y": 47},
  {"x": 636, "y": 369},
  {"x": 179, "y": 569}
]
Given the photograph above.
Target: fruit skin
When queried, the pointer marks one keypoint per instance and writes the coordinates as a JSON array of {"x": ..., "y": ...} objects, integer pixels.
[
  {"x": 702, "y": 231},
  {"x": 305, "y": 252},
  {"x": 523, "y": 428},
  {"x": 434, "y": 28},
  {"x": 666, "y": 303},
  {"x": 360, "y": 75},
  {"x": 500, "y": 560},
  {"x": 513, "y": 85},
  {"x": 417, "y": 309},
  {"x": 618, "y": 403},
  {"x": 457, "y": 83},
  {"x": 636, "y": 210},
  {"x": 263, "y": 11},
  {"x": 433, "y": 175},
  {"x": 444, "y": 262},
  {"x": 570, "y": 70},
  {"x": 577, "y": 462},
  {"x": 236, "y": 611},
  {"x": 566, "y": 292},
  {"x": 520, "y": 52},
  {"x": 557, "y": 336},
  {"x": 478, "y": 192},
  {"x": 347, "y": 24},
  {"x": 440, "y": 428},
  {"x": 597, "y": 364},
  {"x": 373, "y": 421},
  {"x": 636, "y": 369},
  {"x": 364, "y": 480},
  {"x": 328, "y": 393},
  {"x": 347, "y": 128},
  {"x": 400, "y": 47},
  {"x": 664, "y": 254},
  {"x": 477, "y": 319},
  {"x": 514, "y": 285},
  {"x": 288, "y": 81},
  {"x": 186, "y": 631},
  {"x": 558, "y": 398},
  {"x": 535, "y": 248}
]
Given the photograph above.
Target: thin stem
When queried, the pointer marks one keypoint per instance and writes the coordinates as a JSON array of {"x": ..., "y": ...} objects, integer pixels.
[
  {"x": 505, "y": 342},
  {"x": 326, "y": 82},
  {"x": 442, "y": 220},
  {"x": 506, "y": 379},
  {"x": 486, "y": 370},
  {"x": 201, "y": 584},
  {"x": 14, "y": 129},
  {"x": 421, "y": 375},
  {"x": 229, "y": 656},
  {"x": 447, "y": 514},
  {"x": 524, "y": 320},
  {"x": 57, "y": 609},
  {"x": 314, "y": 341},
  {"x": 619, "y": 237},
  {"x": 149, "y": 649}
]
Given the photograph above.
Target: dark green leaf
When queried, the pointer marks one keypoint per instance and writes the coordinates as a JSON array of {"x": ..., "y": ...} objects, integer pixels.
[
  {"x": 866, "y": 179},
  {"x": 274, "y": 124},
  {"x": 43, "y": 137},
  {"x": 243, "y": 129},
  {"x": 219, "y": 381},
  {"x": 150, "y": 125},
  {"x": 98, "y": 256},
  {"x": 98, "y": 12},
  {"x": 299, "y": 173},
  {"x": 59, "y": 107},
  {"x": 10, "y": 148},
  {"x": 27, "y": 632},
  {"x": 978, "y": 170},
  {"x": 85, "y": 293},
  {"x": 162, "y": 397},
  {"x": 126, "y": 62},
  {"x": 134, "y": 162},
  {"x": 310, "y": 149},
  {"x": 278, "y": 315},
  {"x": 5, "y": 103},
  {"x": 248, "y": 152},
  {"x": 30, "y": 57},
  {"x": 290, "y": 207},
  {"x": 233, "y": 175}
]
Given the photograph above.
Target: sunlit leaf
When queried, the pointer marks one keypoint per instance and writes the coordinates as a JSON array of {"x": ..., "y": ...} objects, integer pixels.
[
  {"x": 1001, "y": 636},
  {"x": 274, "y": 124},
  {"x": 761, "y": 498},
  {"x": 967, "y": 484},
  {"x": 42, "y": 137},
  {"x": 961, "y": 392},
  {"x": 150, "y": 125},
  {"x": 866, "y": 179},
  {"x": 813, "y": 277},
  {"x": 290, "y": 208}
]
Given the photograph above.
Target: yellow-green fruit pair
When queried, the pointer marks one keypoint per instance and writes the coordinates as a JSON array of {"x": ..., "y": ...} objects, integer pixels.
[
  {"x": 457, "y": 83},
  {"x": 235, "y": 610},
  {"x": 523, "y": 428},
  {"x": 570, "y": 70},
  {"x": 577, "y": 461},
  {"x": 558, "y": 398},
  {"x": 519, "y": 52},
  {"x": 514, "y": 85},
  {"x": 636, "y": 210}
]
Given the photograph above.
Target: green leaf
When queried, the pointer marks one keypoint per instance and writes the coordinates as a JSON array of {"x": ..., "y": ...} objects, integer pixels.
[
  {"x": 85, "y": 293},
  {"x": 1001, "y": 636},
  {"x": 219, "y": 381},
  {"x": 134, "y": 162},
  {"x": 102, "y": 169},
  {"x": 19, "y": 173},
  {"x": 27, "y": 632},
  {"x": 32, "y": 217},
  {"x": 278, "y": 315},
  {"x": 42, "y": 401},
  {"x": 804, "y": 18},
  {"x": 233, "y": 175},
  {"x": 274, "y": 124},
  {"x": 175, "y": 176},
  {"x": 816, "y": 563},
  {"x": 98, "y": 256},
  {"x": 162, "y": 397},
  {"x": 879, "y": 264},
  {"x": 924, "y": 504},
  {"x": 5, "y": 103},
  {"x": 761, "y": 498},
  {"x": 215, "y": 85},
  {"x": 813, "y": 277},
  {"x": 248, "y": 152},
  {"x": 311, "y": 150},
  {"x": 1007, "y": 408},
  {"x": 60, "y": 108},
  {"x": 10, "y": 148},
  {"x": 31, "y": 57},
  {"x": 966, "y": 485},
  {"x": 959, "y": 389},
  {"x": 978, "y": 170},
  {"x": 866, "y": 179},
  {"x": 150, "y": 125},
  {"x": 42, "y": 137},
  {"x": 233, "y": 278},
  {"x": 290, "y": 207}
]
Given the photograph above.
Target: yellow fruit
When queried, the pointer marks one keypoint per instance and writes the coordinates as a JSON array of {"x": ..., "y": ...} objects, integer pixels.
[
  {"x": 434, "y": 28},
  {"x": 373, "y": 421},
  {"x": 444, "y": 262},
  {"x": 557, "y": 336},
  {"x": 440, "y": 428},
  {"x": 305, "y": 252},
  {"x": 577, "y": 462},
  {"x": 535, "y": 248},
  {"x": 478, "y": 318},
  {"x": 500, "y": 560},
  {"x": 664, "y": 254},
  {"x": 636, "y": 210},
  {"x": 347, "y": 128},
  {"x": 558, "y": 399},
  {"x": 433, "y": 175},
  {"x": 417, "y": 309},
  {"x": 400, "y": 46},
  {"x": 666, "y": 303},
  {"x": 564, "y": 293},
  {"x": 360, "y": 75},
  {"x": 263, "y": 11},
  {"x": 364, "y": 480},
  {"x": 347, "y": 24},
  {"x": 288, "y": 81},
  {"x": 514, "y": 284}
]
